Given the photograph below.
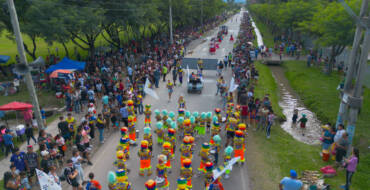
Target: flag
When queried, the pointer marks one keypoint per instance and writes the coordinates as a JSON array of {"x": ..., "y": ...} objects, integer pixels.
[
  {"x": 47, "y": 182},
  {"x": 233, "y": 86},
  {"x": 150, "y": 91}
]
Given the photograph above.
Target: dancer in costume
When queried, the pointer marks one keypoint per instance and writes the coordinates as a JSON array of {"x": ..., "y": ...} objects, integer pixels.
[
  {"x": 215, "y": 130},
  {"x": 120, "y": 163},
  {"x": 164, "y": 118},
  {"x": 185, "y": 149},
  {"x": 160, "y": 132},
  {"x": 188, "y": 130},
  {"x": 180, "y": 124},
  {"x": 238, "y": 146},
  {"x": 187, "y": 114},
  {"x": 148, "y": 137},
  {"x": 229, "y": 111},
  {"x": 167, "y": 152},
  {"x": 124, "y": 145},
  {"x": 208, "y": 178},
  {"x": 243, "y": 127},
  {"x": 204, "y": 155},
  {"x": 157, "y": 115},
  {"x": 181, "y": 112},
  {"x": 187, "y": 172},
  {"x": 181, "y": 102},
  {"x": 216, "y": 146},
  {"x": 202, "y": 124},
  {"x": 150, "y": 185},
  {"x": 209, "y": 121},
  {"x": 230, "y": 130},
  {"x": 162, "y": 170},
  {"x": 181, "y": 184},
  {"x": 131, "y": 128},
  {"x": 145, "y": 156},
  {"x": 131, "y": 110},
  {"x": 148, "y": 115},
  {"x": 218, "y": 114},
  {"x": 227, "y": 157},
  {"x": 171, "y": 138},
  {"x": 118, "y": 180}
]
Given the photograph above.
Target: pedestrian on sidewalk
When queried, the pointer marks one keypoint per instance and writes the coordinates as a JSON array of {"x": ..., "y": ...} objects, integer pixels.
[
  {"x": 100, "y": 124},
  {"x": 174, "y": 75},
  {"x": 170, "y": 89},
  {"x": 77, "y": 159},
  {"x": 270, "y": 122},
  {"x": 29, "y": 134},
  {"x": 18, "y": 160},
  {"x": 8, "y": 142},
  {"x": 31, "y": 159},
  {"x": 181, "y": 73},
  {"x": 63, "y": 129},
  {"x": 164, "y": 72}
]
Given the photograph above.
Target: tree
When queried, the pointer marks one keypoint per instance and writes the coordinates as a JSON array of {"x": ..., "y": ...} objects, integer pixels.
[
  {"x": 26, "y": 24},
  {"x": 332, "y": 27}
]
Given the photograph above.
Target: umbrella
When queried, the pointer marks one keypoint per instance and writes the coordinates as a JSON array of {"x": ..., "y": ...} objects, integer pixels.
[
  {"x": 16, "y": 106},
  {"x": 55, "y": 73},
  {"x": 4, "y": 58}
]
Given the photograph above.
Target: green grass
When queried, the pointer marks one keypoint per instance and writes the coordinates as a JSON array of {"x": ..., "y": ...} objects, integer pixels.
[
  {"x": 267, "y": 85},
  {"x": 271, "y": 159},
  {"x": 46, "y": 98},
  {"x": 268, "y": 38},
  {"x": 319, "y": 94}
]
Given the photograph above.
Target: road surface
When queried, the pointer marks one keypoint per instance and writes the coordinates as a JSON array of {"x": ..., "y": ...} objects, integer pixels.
[{"x": 204, "y": 102}]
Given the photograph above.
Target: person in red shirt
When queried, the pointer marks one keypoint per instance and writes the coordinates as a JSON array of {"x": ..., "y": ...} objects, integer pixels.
[{"x": 93, "y": 184}]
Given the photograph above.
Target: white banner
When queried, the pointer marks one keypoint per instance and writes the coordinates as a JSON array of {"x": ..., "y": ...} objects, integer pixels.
[
  {"x": 233, "y": 86},
  {"x": 150, "y": 91},
  {"x": 47, "y": 182}
]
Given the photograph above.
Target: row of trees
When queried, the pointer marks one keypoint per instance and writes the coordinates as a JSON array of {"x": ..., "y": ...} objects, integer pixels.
[
  {"x": 325, "y": 21},
  {"x": 117, "y": 21}
]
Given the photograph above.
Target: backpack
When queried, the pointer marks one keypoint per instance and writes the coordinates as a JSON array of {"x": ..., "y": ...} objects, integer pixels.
[
  {"x": 65, "y": 173},
  {"x": 31, "y": 159}
]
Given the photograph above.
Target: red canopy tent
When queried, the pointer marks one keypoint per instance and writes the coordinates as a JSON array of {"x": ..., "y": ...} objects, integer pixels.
[{"x": 17, "y": 106}]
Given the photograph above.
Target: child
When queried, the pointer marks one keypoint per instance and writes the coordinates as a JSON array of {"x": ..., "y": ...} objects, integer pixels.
[
  {"x": 295, "y": 117},
  {"x": 303, "y": 122},
  {"x": 93, "y": 184},
  {"x": 24, "y": 181}
]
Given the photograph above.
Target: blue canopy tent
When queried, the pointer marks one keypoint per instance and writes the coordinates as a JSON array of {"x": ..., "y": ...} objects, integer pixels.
[
  {"x": 4, "y": 58},
  {"x": 67, "y": 64}
]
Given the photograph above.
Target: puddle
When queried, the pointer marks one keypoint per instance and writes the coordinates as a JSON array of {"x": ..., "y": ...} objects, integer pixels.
[{"x": 288, "y": 102}]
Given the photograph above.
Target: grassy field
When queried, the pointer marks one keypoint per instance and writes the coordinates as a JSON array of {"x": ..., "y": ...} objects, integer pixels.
[
  {"x": 46, "y": 98},
  {"x": 318, "y": 92},
  {"x": 271, "y": 159}
]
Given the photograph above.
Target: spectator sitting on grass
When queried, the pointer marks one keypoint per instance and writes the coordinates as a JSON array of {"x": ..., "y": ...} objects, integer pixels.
[{"x": 291, "y": 183}]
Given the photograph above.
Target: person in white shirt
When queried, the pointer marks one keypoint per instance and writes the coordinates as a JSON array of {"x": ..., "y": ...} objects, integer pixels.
[{"x": 339, "y": 133}]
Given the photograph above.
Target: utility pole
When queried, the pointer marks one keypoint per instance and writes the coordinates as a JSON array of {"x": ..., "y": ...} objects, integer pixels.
[
  {"x": 171, "y": 33},
  {"x": 23, "y": 59},
  {"x": 352, "y": 93}
]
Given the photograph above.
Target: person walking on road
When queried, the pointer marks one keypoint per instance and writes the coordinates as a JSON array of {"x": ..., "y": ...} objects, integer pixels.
[
  {"x": 174, "y": 75},
  {"x": 170, "y": 90},
  {"x": 164, "y": 72}
]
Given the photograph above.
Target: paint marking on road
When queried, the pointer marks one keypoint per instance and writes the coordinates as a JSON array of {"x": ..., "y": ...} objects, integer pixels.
[{"x": 244, "y": 183}]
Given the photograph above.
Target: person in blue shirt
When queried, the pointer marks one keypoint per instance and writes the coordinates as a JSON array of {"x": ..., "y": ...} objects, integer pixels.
[
  {"x": 43, "y": 116},
  {"x": 291, "y": 183},
  {"x": 124, "y": 114},
  {"x": 17, "y": 160},
  {"x": 8, "y": 142}
]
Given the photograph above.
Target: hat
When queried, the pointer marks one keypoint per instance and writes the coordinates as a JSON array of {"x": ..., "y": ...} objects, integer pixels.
[
  {"x": 157, "y": 112},
  {"x": 239, "y": 133},
  {"x": 217, "y": 110},
  {"x": 187, "y": 162},
  {"x": 123, "y": 140},
  {"x": 159, "y": 125},
  {"x": 171, "y": 131},
  {"x": 130, "y": 102},
  {"x": 124, "y": 130},
  {"x": 181, "y": 183},
  {"x": 181, "y": 111},
  {"x": 187, "y": 122},
  {"x": 147, "y": 130},
  {"x": 44, "y": 153},
  {"x": 120, "y": 155},
  {"x": 293, "y": 173},
  {"x": 209, "y": 166},
  {"x": 242, "y": 126},
  {"x": 205, "y": 146},
  {"x": 217, "y": 138},
  {"x": 148, "y": 106},
  {"x": 166, "y": 145},
  {"x": 144, "y": 144},
  {"x": 29, "y": 146},
  {"x": 150, "y": 184}
]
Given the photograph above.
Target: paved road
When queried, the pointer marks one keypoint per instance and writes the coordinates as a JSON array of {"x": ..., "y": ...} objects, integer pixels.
[{"x": 206, "y": 101}]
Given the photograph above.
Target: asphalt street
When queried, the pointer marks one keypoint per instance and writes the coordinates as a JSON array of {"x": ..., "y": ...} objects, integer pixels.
[{"x": 206, "y": 101}]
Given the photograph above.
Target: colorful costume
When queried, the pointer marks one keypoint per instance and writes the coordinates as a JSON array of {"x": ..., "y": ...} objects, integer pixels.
[
  {"x": 218, "y": 114},
  {"x": 215, "y": 130},
  {"x": 208, "y": 121},
  {"x": 202, "y": 124},
  {"x": 243, "y": 127},
  {"x": 150, "y": 185},
  {"x": 157, "y": 115},
  {"x": 171, "y": 138},
  {"x": 208, "y": 178},
  {"x": 181, "y": 184},
  {"x": 131, "y": 110},
  {"x": 160, "y": 132},
  {"x": 120, "y": 163},
  {"x": 187, "y": 172},
  {"x": 161, "y": 170},
  {"x": 181, "y": 112},
  {"x": 238, "y": 145},
  {"x": 124, "y": 145},
  {"x": 204, "y": 155},
  {"x": 188, "y": 130},
  {"x": 148, "y": 114},
  {"x": 180, "y": 123},
  {"x": 167, "y": 152},
  {"x": 164, "y": 118},
  {"x": 227, "y": 157},
  {"x": 144, "y": 155},
  {"x": 118, "y": 181},
  {"x": 148, "y": 137},
  {"x": 229, "y": 111},
  {"x": 131, "y": 128},
  {"x": 185, "y": 150}
]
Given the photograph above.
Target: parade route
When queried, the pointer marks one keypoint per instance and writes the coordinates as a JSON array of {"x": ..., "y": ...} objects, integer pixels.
[{"x": 206, "y": 101}]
